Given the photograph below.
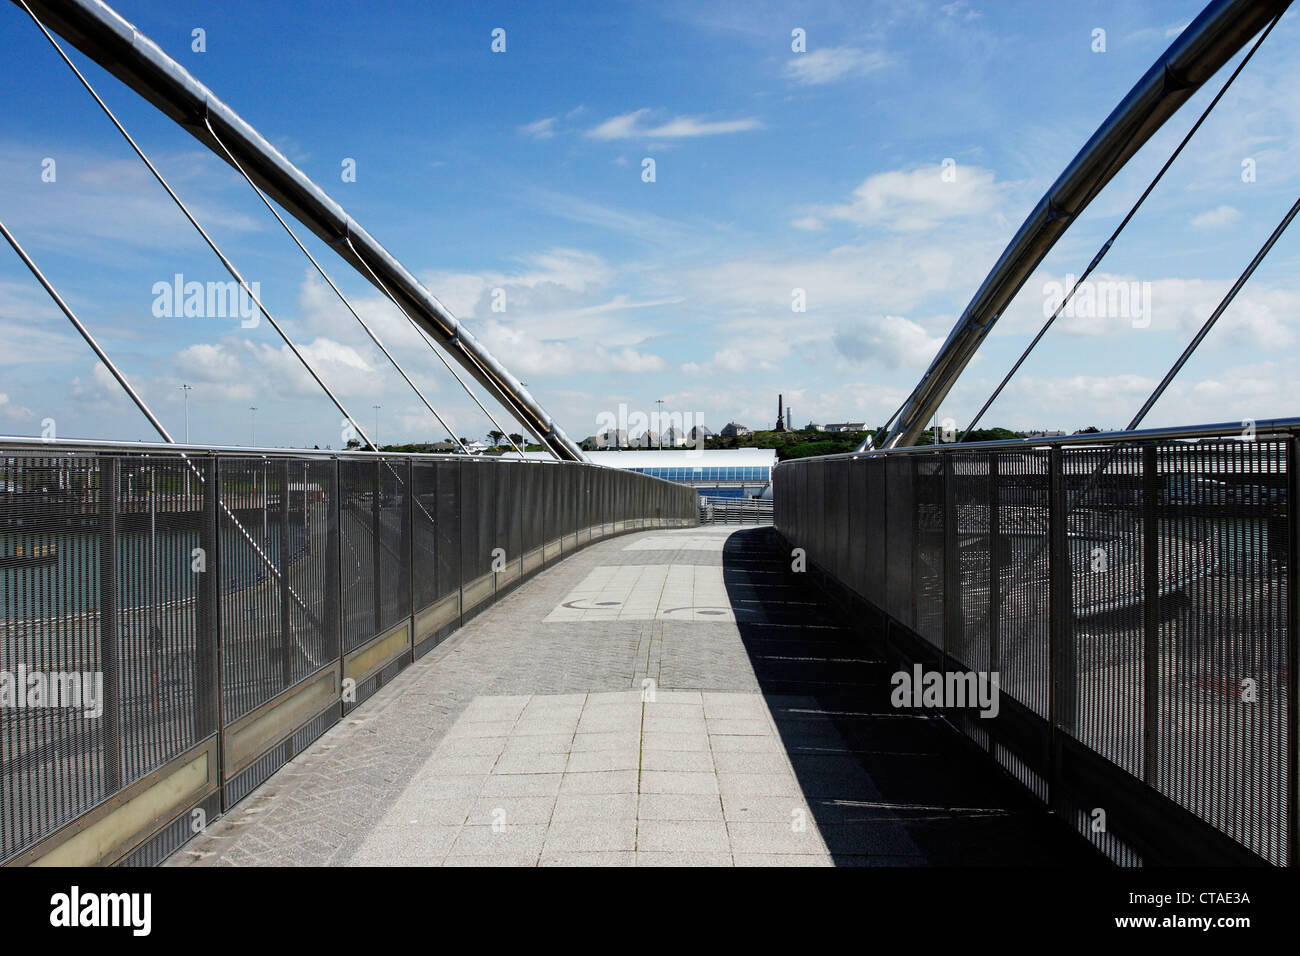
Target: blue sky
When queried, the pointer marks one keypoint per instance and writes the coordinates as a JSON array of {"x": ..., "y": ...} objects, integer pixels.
[{"x": 522, "y": 171}]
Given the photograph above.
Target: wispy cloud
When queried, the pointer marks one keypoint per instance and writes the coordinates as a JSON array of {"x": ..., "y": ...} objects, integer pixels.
[
  {"x": 643, "y": 226},
  {"x": 960, "y": 10},
  {"x": 632, "y": 126},
  {"x": 829, "y": 64},
  {"x": 1216, "y": 218},
  {"x": 539, "y": 129}
]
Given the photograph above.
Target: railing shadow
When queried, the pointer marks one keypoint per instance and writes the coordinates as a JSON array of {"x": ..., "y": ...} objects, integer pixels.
[{"x": 885, "y": 786}]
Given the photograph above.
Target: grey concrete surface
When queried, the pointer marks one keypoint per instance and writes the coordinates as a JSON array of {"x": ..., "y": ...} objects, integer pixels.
[{"x": 659, "y": 699}]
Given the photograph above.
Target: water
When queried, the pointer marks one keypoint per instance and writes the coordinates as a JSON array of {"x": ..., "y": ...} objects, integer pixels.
[{"x": 155, "y": 568}]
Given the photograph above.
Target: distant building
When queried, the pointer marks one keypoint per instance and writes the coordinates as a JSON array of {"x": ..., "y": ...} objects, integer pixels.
[
  {"x": 674, "y": 437},
  {"x": 734, "y": 430},
  {"x": 1044, "y": 434},
  {"x": 845, "y": 427},
  {"x": 647, "y": 439},
  {"x": 612, "y": 438},
  {"x": 726, "y": 473},
  {"x": 699, "y": 433},
  {"x": 814, "y": 427}
]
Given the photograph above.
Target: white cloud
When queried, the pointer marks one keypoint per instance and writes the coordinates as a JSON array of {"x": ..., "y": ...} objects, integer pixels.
[
  {"x": 102, "y": 389},
  {"x": 96, "y": 200},
  {"x": 688, "y": 126},
  {"x": 915, "y": 200},
  {"x": 630, "y": 126},
  {"x": 960, "y": 10},
  {"x": 618, "y": 127},
  {"x": 559, "y": 316},
  {"x": 828, "y": 64},
  {"x": 896, "y": 276},
  {"x": 238, "y": 370},
  {"x": 208, "y": 362},
  {"x": 1256, "y": 391},
  {"x": 1216, "y": 218},
  {"x": 530, "y": 356},
  {"x": 1260, "y": 317},
  {"x": 539, "y": 129},
  {"x": 757, "y": 355},
  {"x": 31, "y": 328},
  {"x": 891, "y": 340},
  {"x": 642, "y": 226},
  {"x": 10, "y": 411}
]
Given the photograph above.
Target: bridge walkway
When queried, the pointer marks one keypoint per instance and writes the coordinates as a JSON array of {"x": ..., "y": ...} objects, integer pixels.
[{"x": 524, "y": 738}]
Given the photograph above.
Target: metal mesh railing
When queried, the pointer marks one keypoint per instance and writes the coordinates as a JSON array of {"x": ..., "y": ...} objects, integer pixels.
[
  {"x": 715, "y": 510},
  {"x": 1134, "y": 597},
  {"x": 151, "y": 601}
]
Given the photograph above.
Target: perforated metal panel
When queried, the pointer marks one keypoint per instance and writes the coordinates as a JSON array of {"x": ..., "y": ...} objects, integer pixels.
[
  {"x": 1134, "y": 596},
  {"x": 424, "y": 534},
  {"x": 394, "y": 542},
  {"x": 447, "y": 529},
  {"x": 141, "y": 568},
  {"x": 360, "y": 560}
]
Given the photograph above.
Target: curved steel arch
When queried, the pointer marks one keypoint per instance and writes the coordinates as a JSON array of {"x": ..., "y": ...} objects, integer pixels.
[
  {"x": 1208, "y": 42},
  {"x": 108, "y": 39}
]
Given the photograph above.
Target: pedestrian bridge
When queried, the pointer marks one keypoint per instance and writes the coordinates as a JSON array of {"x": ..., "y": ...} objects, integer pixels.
[
  {"x": 360, "y": 658},
  {"x": 668, "y": 697},
  {"x": 260, "y": 655}
]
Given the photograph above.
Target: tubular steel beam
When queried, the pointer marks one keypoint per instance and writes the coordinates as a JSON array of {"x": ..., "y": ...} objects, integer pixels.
[
  {"x": 1213, "y": 38},
  {"x": 102, "y": 34}
]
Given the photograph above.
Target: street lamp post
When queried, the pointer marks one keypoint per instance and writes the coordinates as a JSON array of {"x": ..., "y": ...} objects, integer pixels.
[
  {"x": 185, "y": 390},
  {"x": 253, "y": 409},
  {"x": 660, "y": 422},
  {"x": 376, "y": 408}
]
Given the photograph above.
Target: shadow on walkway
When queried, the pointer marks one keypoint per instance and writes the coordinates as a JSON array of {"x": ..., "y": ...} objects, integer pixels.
[{"x": 885, "y": 787}]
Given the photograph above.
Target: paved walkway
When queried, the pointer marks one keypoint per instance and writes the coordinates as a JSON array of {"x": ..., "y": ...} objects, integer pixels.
[{"x": 664, "y": 698}]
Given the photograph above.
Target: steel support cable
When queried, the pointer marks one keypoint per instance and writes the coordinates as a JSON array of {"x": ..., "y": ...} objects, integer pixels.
[
  {"x": 383, "y": 287},
  {"x": 1081, "y": 495},
  {"x": 148, "y": 414},
  {"x": 374, "y": 338},
  {"x": 869, "y": 443},
  {"x": 1106, "y": 246},
  {"x": 85, "y": 334},
  {"x": 346, "y": 303},
  {"x": 1195, "y": 343},
  {"x": 195, "y": 223},
  {"x": 479, "y": 365},
  {"x": 324, "y": 275},
  {"x": 1216, "y": 36}
]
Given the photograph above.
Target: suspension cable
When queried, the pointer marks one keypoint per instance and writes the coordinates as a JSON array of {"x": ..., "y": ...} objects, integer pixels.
[
  {"x": 1106, "y": 246},
  {"x": 194, "y": 222},
  {"x": 869, "y": 444},
  {"x": 153, "y": 419},
  {"x": 479, "y": 365},
  {"x": 373, "y": 337},
  {"x": 85, "y": 334},
  {"x": 324, "y": 275},
  {"x": 1214, "y": 316},
  {"x": 383, "y": 287}
]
